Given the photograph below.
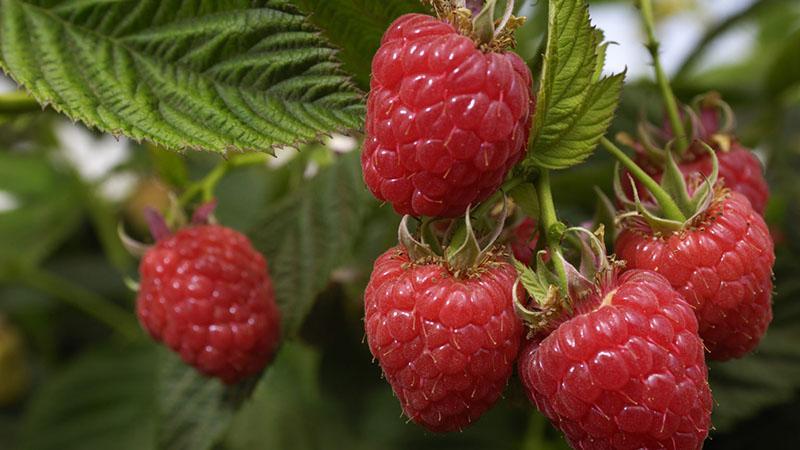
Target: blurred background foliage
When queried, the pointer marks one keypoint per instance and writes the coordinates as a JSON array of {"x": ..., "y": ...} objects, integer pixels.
[{"x": 76, "y": 372}]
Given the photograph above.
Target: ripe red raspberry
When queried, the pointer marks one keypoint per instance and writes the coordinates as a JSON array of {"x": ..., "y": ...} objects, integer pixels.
[
  {"x": 446, "y": 345},
  {"x": 739, "y": 169},
  {"x": 523, "y": 241},
  {"x": 629, "y": 374},
  {"x": 722, "y": 266},
  {"x": 445, "y": 121},
  {"x": 205, "y": 293}
]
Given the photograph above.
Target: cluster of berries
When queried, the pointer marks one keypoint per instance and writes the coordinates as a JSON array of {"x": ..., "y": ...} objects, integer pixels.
[{"x": 625, "y": 365}]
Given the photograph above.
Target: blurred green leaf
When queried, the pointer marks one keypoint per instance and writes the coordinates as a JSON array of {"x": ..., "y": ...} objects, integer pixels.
[
  {"x": 103, "y": 401},
  {"x": 234, "y": 75},
  {"x": 45, "y": 208},
  {"x": 356, "y": 27},
  {"x": 194, "y": 411},
  {"x": 287, "y": 410},
  {"x": 784, "y": 73},
  {"x": 574, "y": 106},
  {"x": 310, "y": 233}
]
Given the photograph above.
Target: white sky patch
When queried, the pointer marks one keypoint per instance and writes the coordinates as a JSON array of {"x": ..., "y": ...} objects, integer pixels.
[
  {"x": 8, "y": 201},
  {"x": 92, "y": 157},
  {"x": 282, "y": 156},
  {"x": 118, "y": 186},
  {"x": 312, "y": 169},
  {"x": 678, "y": 35},
  {"x": 621, "y": 25},
  {"x": 341, "y": 143},
  {"x": 740, "y": 42},
  {"x": 6, "y": 85}
]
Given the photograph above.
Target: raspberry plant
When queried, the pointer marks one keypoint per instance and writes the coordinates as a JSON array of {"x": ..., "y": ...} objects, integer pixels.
[{"x": 410, "y": 204}]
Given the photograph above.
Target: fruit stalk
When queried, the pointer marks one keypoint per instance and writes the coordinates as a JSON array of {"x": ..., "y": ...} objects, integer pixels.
[
  {"x": 18, "y": 102},
  {"x": 670, "y": 103},
  {"x": 667, "y": 204},
  {"x": 553, "y": 229},
  {"x": 207, "y": 185}
]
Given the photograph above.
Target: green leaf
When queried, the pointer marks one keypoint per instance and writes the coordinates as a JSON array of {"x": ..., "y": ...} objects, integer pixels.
[
  {"x": 223, "y": 76},
  {"x": 574, "y": 105},
  {"x": 309, "y": 233},
  {"x": 356, "y": 26},
  {"x": 194, "y": 411},
  {"x": 45, "y": 208},
  {"x": 533, "y": 283},
  {"x": 103, "y": 401},
  {"x": 783, "y": 76},
  {"x": 287, "y": 409}
]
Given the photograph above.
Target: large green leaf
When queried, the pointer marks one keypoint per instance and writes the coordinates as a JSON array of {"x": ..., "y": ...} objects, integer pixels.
[
  {"x": 213, "y": 75},
  {"x": 309, "y": 233},
  {"x": 356, "y": 26},
  {"x": 103, "y": 401},
  {"x": 194, "y": 411},
  {"x": 575, "y": 105},
  {"x": 287, "y": 409},
  {"x": 783, "y": 77},
  {"x": 46, "y": 208}
]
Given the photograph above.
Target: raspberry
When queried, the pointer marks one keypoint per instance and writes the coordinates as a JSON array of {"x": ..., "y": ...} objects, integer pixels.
[
  {"x": 205, "y": 293},
  {"x": 446, "y": 345},
  {"x": 739, "y": 168},
  {"x": 523, "y": 241},
  {"x": 722, "y": 266},
  {"x": 445, "y": 121},
  {"x": 628, "y": 374}
]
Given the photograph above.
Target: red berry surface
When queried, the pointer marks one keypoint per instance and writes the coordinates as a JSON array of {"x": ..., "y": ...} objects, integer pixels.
[
  {"x": 446, "y": 345},
  {"x": 722, "y": 265},
  {"x": 629, "y": 374},
  {"x": 523, "y": 240},
  {"x": 445, "y": 121},
  {"x": 206, "y": 294}
]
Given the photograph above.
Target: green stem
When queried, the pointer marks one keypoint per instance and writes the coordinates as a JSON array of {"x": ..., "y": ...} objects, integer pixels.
[
  {"x": 208, "y": 184},
  {"x": 552, "y": 229},
  {"x": 18, "y": 102},
  {"x": 670, "y": 103},
  {"x": 667, "y": 204},
  {"x": 484, "y": 208},
  {"x": 487, "y": 205},
  {"x": 80, "y": 298}
]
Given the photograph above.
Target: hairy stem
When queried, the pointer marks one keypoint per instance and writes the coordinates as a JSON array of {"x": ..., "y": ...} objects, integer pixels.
[
  {"x": 670, "y": 103},
  {"x": 552, "y": 229},
  {"x": 18, "y": 102},
  {"x": 208, "y": 184},
  {"x": 667, "y": 204}
]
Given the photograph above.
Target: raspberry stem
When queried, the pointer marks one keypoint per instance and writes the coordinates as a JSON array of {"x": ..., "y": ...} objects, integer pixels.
[
  {"x": 18, "y": 102},
  {"x": 553, "y": 229},
  {"x": 668, "y": 206},
  {"x": 208, "y": 184},
  {"x": 670, "y": 103}
]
